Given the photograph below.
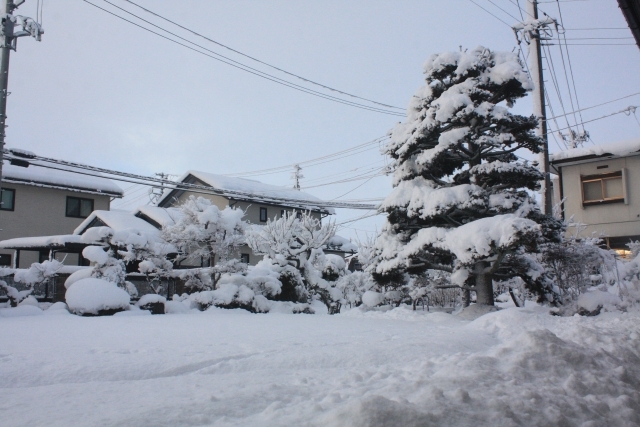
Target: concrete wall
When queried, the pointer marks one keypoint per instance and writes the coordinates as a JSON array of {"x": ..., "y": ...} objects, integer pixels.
[
  {"x": 610, "y": 219},
  {"x": 40, "y": 211}
]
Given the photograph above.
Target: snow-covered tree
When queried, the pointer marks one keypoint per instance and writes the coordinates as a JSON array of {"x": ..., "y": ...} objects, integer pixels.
[
  {"x": 297, "y": 240},
  {"x": 205, "y": 232},
  {"x": 462, "y": 199}
]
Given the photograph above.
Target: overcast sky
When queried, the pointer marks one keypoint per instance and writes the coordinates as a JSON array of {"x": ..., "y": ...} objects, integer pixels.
[{"x": 101, "y": 91}]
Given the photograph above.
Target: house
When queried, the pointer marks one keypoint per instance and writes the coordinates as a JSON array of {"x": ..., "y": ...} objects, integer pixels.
[
  {"x": 259, "y": 201},
  {"x": 40, "y": 201},
  {"x": 600, "y": 188}
]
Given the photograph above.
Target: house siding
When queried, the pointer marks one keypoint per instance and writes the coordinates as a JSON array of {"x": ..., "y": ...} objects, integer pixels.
[
  {"x": 40, "y": 211},
  {"x": 611, "y": 219}
]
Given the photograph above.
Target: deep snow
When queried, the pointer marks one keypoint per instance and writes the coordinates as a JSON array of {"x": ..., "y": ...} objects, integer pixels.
[{"x": 397, "y": 368}]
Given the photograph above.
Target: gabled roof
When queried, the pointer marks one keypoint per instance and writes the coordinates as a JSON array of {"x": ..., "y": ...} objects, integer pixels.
[
  {"x": 158, "y": 216},
  {"x": 59, "y": 179},
  {"x": 249, "y": 190},
  {"x": 597, "y": 152},
  {"x": 118, "y": 220}
]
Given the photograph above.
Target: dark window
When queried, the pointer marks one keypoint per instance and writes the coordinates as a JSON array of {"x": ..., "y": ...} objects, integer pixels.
[
  {"x": 79, "y": 208},
  {"x": 244, "y": 258},
  {"x": 43, "y": 256},
  {"x": 5, "y": 260},
  {"x": 263, "y": 214},
  {"x": 8, "y": 197},
  {"x": 602, "y": 188}
]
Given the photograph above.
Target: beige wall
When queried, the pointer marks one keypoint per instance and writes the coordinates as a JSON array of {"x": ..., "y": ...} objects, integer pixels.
[
  {"x": 40, "y": 211},
  {"x": 611, "y": 219}
]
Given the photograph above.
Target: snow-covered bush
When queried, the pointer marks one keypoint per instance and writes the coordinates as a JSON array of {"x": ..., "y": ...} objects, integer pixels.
[
  {"x": 36, "y": 274},
  {"x": 462, "y": 201},
  {"x": 105, "y": 265},
  {"x": 96, "y": 297},
  {"x": 205, "y": 232},
  {"x": 294, "y": 242}
]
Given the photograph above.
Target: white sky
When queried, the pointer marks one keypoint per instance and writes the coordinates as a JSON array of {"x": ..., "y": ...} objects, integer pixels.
[{"x": 101, "y": 91}]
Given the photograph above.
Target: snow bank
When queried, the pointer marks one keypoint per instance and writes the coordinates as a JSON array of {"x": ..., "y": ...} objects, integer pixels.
[
  {"x": 90, "y": 296},
  {"x": 22, "y": 310}
]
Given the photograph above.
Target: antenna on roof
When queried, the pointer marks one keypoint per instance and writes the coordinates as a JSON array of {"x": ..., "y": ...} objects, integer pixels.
[{"x": 296, "y": 175}]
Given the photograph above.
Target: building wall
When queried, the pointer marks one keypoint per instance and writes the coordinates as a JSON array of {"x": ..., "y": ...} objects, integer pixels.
[
  {"x": 40, "y": 211},
  {"x": 611, "y": 219}
]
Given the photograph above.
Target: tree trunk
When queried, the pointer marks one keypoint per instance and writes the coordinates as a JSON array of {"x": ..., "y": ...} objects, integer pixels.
[
  {"x": 484, "y": 288},
  {"x": 466, "y": 297}
]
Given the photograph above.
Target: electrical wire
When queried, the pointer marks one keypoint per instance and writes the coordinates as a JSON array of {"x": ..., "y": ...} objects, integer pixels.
[
  {"x": 260, "y": 61},
  {"x": 490, "y": 13},
  {"x": 600, "y": 105},
  {"x": 249, "y": 69}
]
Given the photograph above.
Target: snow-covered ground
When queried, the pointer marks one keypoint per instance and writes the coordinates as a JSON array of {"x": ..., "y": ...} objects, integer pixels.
[{"x": 516, "y": 367}]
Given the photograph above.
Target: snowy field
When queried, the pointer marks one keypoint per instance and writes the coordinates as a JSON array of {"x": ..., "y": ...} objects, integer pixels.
[{"x": 516, "y": 367}]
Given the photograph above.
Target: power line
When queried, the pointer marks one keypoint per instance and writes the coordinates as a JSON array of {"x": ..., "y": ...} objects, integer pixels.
[
  {"x": 625, "y": 111},
  {"x": 307, "y": 162},
  {"x": 260, "y": 61},
  {"x": 490, "y": 13},
  {"x": 246, "y": 68},
  {"x": 599, "y": 105},
  {"x": 88, "y": 170},
  {"x": 490, "y": 1}
]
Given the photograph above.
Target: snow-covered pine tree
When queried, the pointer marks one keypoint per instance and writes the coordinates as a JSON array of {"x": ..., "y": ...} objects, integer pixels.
[{"x": 460, "y": 202}]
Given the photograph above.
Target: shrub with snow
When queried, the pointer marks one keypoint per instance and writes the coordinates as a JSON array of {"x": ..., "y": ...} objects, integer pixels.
[{"x": 96, "y": 296}]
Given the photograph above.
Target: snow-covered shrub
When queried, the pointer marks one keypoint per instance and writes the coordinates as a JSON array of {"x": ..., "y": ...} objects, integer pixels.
[
  {"x": 96, "y": 297},
  {"x": 205, "y": 232},
  {"x": 36, "y": 274},
  {"x": 296, "y": 241},
  {"x": 105, "y": 265},
  {"x": 353, "y": 286},
  {"x": 153, "y": 302},
  {"x": 462, "y": 200}
]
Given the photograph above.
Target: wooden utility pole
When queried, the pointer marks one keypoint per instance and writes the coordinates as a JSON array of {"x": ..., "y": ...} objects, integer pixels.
[
  {"x": 538, "y": 104},
  {"x": 8, "y": 42}
]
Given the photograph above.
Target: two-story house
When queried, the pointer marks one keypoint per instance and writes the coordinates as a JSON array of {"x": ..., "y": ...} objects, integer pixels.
[
  {"x": 39, "y": 201},
  {"x": 600, "y": 189}
]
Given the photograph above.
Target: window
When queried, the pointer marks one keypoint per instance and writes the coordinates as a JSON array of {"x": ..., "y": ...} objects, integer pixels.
[
  {"x": 605, "y": 188},
  {"x": 79, "y": 208},
  {"x": 5, "y": 260},
  {"x": 244, "y": 258},
  {"x": 8, "y": 197},
  {"x": 263, "y": 214}
]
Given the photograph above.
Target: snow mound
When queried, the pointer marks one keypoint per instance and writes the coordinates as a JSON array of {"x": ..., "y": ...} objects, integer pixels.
[
  {"x": 476, "y": 310},
  {"x": 77, "y": 275},
  {"x": 150, "y": 299},
  {"x": 90, "y": 296},
  {"x": 371, "y": 298},
  {"x": 377, "y": 411},
  {"x": 30, "y": 300},
  {"x": 23, "y": 310},
  {"x": 175, "y": 307},
  {"x": 593, "y": 301}
]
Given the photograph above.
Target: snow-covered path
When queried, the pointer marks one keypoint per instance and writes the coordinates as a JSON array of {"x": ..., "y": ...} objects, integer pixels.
[{"x": 230, "y": 367}]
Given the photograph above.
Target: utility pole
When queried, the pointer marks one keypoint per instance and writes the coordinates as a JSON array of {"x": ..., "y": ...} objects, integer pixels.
[
  {"x": 8, "y": 42},
  {"x": 296, "y": 175},
  {"x": 538, "y": 106},
  {"x": 531, "y": 31}
]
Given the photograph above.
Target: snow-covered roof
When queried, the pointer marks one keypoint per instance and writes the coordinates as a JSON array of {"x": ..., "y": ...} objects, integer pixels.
[
  {"x": 161, "y": 216},
  {"x": 61, "y": 179},
  {"x": 255, "y": 191},
  {"x": 339, "y": 243},
  {"x": 614, "y": 149},
  {"x": 118, "y": 220},
  {"x": 40, "y": 242}
]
